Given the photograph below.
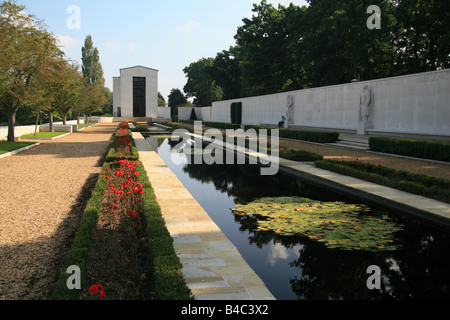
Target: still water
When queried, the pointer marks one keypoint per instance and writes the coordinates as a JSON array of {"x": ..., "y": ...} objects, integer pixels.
[{"x": 296, "y": 267}]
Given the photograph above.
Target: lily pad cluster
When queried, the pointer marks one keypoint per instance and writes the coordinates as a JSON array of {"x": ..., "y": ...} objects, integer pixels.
[{"x": 336, "y": 224}]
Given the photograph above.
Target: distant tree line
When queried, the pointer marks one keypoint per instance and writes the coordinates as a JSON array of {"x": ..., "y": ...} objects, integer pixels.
[{"x": 324, "y": 43}]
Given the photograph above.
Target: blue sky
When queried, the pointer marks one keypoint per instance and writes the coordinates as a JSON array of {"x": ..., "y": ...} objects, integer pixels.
[{"x": 165, "y": 35}]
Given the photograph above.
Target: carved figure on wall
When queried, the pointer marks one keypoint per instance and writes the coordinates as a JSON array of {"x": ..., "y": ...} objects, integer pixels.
[
  {"x": 290, "y": 109},
  {"x": 365, "y": 103}
]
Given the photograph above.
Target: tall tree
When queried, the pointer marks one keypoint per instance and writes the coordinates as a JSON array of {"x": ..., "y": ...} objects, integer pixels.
[
  {"x": 423, "y": 39},
  {"x": 200, "y": 85},
  {"x": 176, "y": 98},
  {"x": 227, "y": 74},
  {"x": 91, "y": 67},
  {"x": 26, "y": 48},
  {"x": 65, "y": 99}
]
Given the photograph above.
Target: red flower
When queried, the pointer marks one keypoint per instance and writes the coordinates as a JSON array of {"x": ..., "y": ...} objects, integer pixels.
[
  {"x": 93, "y": 289},
  {"x": 136, "y": 173}
]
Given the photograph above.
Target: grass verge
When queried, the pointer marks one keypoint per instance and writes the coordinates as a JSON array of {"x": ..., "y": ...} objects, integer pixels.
[
  {"x": 42, "y": 135},
  {"x": 6, "y": 146}
]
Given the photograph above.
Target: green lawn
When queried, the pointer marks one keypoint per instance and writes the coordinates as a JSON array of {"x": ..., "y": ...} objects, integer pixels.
[
  {"x": 43, "y": 135},
  {"x": 6, "y": 146},
  {"x": 84, "y": 125}
]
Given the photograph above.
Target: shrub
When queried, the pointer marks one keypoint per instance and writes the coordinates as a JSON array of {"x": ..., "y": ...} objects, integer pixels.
[
  {"x": 222, "y": 125},
  {"x": 435, "y": 188},
  {"x": 167, "y": 278},
  {"x": 312, "y": 136},
  {"x": 433, "y": 150}
]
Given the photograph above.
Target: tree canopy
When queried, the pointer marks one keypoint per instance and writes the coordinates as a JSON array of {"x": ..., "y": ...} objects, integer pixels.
[
  {"x": 35, "y": 73},
  {"x": 325, "y": 43}
]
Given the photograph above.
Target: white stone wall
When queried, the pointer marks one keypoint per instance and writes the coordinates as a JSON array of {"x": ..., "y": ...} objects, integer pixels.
[
  {"x": 124, "y": 85},
  {"x": 417, "y": 103},
  {"x": 21, "y": 130},
  {"x": 164, "y": 112}
]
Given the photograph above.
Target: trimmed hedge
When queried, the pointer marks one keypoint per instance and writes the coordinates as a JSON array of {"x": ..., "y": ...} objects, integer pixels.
[
  {"x": 433, "y": 150},
  {"x": 111, "y": 156},
  {"x": 167, "y": 277},
  {"x": 82, "y": 244},
  {"x": 312, "y": 136},
  {"x": 222, "y": 125},
  {"x": 435, "y": 188}
]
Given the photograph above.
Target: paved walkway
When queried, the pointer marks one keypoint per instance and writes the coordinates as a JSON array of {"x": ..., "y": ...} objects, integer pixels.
[
  {"x": 41, "y": 191},
  {"x": 212, "y": 266}
]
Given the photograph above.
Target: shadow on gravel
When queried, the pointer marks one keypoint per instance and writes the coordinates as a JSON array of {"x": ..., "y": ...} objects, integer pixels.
[{"x": 36, "y": 266}]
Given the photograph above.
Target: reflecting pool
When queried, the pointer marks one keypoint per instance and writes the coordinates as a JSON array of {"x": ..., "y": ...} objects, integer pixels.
[{"x": 299, "y": 267}]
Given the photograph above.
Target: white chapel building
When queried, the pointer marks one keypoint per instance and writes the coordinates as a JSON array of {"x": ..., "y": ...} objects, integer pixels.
[{"x": 135, "y": 93}]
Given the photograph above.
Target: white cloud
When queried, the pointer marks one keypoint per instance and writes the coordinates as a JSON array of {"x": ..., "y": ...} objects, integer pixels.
[
  {"x": 189, "y": 26},
  {"x": 70, "y": 46},
  {"x": 114, "y": 46},
  {"x": 132, "y": 47}
]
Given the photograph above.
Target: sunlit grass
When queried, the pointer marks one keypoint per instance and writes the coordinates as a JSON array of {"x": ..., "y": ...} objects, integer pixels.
[
  {"x": 6, "y": 146},
  {"x": 43, "y": 135}
]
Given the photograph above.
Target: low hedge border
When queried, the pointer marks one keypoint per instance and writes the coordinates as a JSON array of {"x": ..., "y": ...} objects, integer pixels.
[
  {"x": 111, "y": 156},
  {"x": 432, "y": 150},
  {"x": 311, "y": 136},
  {"x": 434, "y": 188},
  {"x": 82, "y": 243},
  {"x": 168, "y": 280}
]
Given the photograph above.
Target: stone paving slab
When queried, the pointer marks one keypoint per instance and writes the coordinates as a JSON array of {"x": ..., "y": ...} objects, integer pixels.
[{"x": 212, "y": 266}]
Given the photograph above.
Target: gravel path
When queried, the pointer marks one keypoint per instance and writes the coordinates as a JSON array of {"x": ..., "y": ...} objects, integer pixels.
[{"x": 42, "y": 193}]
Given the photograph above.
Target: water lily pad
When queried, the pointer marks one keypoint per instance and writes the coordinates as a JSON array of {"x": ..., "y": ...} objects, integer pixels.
[{"x": 336, "y": 224}]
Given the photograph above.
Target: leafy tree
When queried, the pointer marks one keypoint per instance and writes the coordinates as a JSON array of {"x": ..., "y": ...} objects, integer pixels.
[
  {"x": 264, "y": 47},
  {"x": 26, "y": 49},
  {"x": 200, "y": 85},
  {"x": 176, "y": 98},
  {"x": 423, "y": 39},
  {"x": 91, "y": 67},
  {"x": 67, "y": 96},
  {"x": 107, "y": 106},
  {"x": 161, "y": 100},
  {"x": 227, "y": 74}
]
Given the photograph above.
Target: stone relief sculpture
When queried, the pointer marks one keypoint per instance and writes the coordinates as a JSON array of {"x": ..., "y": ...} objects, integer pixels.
[
  {"x": 289, "y": 109},
  {"x": 365, "y": 103}
]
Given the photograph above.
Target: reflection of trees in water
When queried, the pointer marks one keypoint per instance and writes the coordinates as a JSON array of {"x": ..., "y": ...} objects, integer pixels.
[
  {"x": 245, "y": 182},
  {"x": 418, "y": 270}
]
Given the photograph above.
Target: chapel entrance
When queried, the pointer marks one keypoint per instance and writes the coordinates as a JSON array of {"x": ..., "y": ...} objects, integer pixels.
[{"x": 139, "y": 98}]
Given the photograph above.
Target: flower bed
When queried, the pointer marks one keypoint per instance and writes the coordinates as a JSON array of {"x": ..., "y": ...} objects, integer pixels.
[
  {"x": 434, "y": 188},
  {"x": 122, "y": 247},
  {"x": 123, "y": 146}
]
